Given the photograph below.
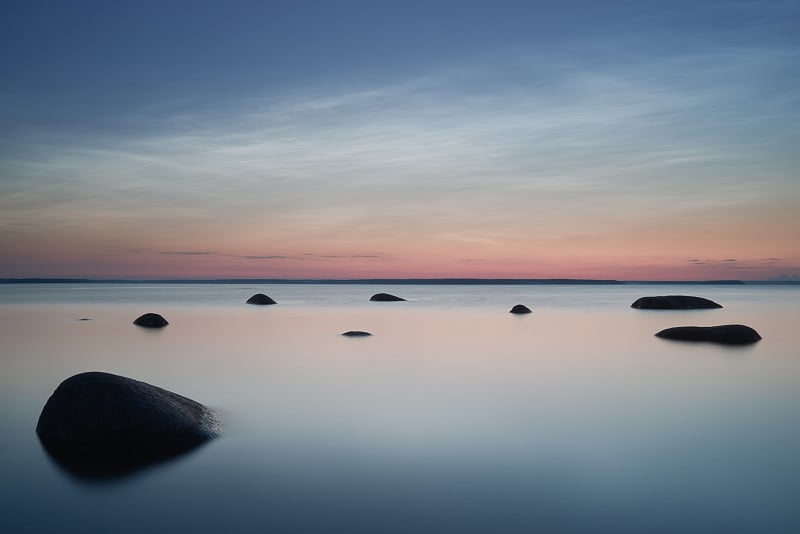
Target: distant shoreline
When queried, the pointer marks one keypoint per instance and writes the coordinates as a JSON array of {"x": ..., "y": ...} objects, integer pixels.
[{"x": 398, "y": 281}]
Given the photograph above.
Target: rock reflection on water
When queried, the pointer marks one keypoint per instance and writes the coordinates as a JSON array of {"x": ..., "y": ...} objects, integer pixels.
[
  {"x": 454, "y": 417},
  {"x": 111, "y": 466}
]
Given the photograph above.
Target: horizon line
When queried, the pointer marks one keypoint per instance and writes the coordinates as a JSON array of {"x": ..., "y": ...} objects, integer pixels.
[{"x": 401, "y": 281}]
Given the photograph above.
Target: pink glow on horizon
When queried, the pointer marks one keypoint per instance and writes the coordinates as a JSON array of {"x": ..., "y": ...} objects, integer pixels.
[
  {"x": 336, "y": 266},
  {"x": 762, "y": 249}
]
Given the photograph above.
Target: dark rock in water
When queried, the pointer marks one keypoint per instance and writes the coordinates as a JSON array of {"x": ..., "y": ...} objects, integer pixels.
[
  {"x": 151, "y": 320},
  {"x": 261, "y": 299},
  {"x": 385, "y": 297},
  {"x": 520, "y": 308},
  {"x": 674, "y": 302},
  {"x": 99, "y": 425},
  {"x": 83, "y": 319},
  {"x": 356, "y": 333},
  {"x": 728, "y": 334}
]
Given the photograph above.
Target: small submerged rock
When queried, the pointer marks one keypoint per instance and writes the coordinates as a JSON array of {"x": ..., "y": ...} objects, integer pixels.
[
  {"x": 520, "y": 308},
  {"x": 261, "y": 299},
  {"x": 83, "y": 319},
  {"x": 151, "y": 320},
  {"x": 101, "y": 425},
  {"x": 727, "y": 334},
  {"x": 356, "y": 333},
  {"x": 385, "y": 297},
  {"x": 674, "y": 302}
]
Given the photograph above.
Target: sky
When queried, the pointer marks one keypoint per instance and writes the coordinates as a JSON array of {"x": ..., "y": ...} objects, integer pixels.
[{"x": 630, "y": 140}]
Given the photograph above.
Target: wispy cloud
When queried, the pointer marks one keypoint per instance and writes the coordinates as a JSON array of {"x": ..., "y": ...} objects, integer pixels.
[
  {"x": 472, "y": 158},
  {"x": 250, "y": 257},
  {"x": 744, "y": 265},
  {"x": 485, "y": 260},
  {"x": 308, "y": 255},
  {"x": 337, "y": 256},
  {"x": 187, "y": 253},
  {"x": 595, "y": 130}
]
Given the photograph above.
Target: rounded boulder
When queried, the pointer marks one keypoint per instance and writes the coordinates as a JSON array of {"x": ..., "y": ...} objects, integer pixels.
[
  {"x": 101, "y": 424},
  {"x": 151, "y": 320},
  {"x": 674, "y": 302},
  {"x": 727, "y": 334},
  {"x": 356, "y": 333},
  {"x": 260, "y": 299},
  {"x": 385, "y": 297}
]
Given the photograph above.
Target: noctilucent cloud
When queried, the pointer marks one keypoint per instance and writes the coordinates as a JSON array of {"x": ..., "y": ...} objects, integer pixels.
[{"x": 299, "y": 139}]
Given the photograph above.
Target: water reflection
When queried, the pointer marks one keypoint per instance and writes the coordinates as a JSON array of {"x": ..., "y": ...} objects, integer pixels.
[
  {"x": 99, "y": 466},
  {"x": 456, "y": 416}
]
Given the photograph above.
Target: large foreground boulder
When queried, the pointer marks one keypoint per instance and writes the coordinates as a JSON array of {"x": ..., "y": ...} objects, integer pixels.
[
  {"x": 151, "y": 320},
  {"x": 520, "y": 309},
  {"x": 261, "y": 299},
  {"x": 674, "y": 302},
  {"x": 727, "y": 334},
  {"x": 100, "y": 425},
  {"x": 385, "y": 297}
]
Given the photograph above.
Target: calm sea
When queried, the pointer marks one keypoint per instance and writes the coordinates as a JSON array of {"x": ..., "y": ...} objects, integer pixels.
[{"x": 454, "y": 417}]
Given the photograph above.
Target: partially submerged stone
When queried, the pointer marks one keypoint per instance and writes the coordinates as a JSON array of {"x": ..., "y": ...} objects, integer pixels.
[
  {"x": 728, "y": 334},
  {"x": 260, "y": 299},
  {"x": 385, "y": 297},
  {"x": 101, "y": 425},
  {"x": 151, "y": 320},
  {"x": 356, "y": 333},
  {"x": 519, "y": 309},
  {"x": 674, "y": 302}
]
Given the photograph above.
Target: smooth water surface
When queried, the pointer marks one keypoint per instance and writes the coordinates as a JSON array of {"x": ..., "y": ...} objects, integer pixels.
[{"x": 455, "y": 416}]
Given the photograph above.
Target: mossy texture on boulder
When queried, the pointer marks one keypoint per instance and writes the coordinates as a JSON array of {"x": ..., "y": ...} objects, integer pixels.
[
  {"x": 151, "y": 320},
  {"x": 728, "y": 334},
  {"x": 674, "y": 302},
  {"x": 260, "y": 299},
  {"x": 100, "y": 424},
  {"x": 520, "y": 309},
  {"x": 385, "y": 297}
]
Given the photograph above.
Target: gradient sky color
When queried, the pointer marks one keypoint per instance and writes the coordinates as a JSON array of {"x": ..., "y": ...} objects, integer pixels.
[{"x": 298, "y": 139}]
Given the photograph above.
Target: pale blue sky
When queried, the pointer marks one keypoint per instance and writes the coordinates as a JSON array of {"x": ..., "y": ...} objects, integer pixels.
[{"x": 526, "y": 137}]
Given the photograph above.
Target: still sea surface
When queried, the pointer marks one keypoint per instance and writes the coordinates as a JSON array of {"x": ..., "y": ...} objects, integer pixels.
[{"x": 454, "y": 417}]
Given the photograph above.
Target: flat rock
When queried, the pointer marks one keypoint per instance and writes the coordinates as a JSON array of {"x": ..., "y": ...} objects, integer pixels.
[
  {"x": 674, "y": 302},
  {"x": 385, "y": 297},
  {"x": 101, "y": 425},
  {"x": 520, "y": 308},
  {"x": 151, "y": 320},
  {"x": 728, "y": 334},
  {"x": 261, "y": 299},
  {"x": 356, "y": 333}
]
